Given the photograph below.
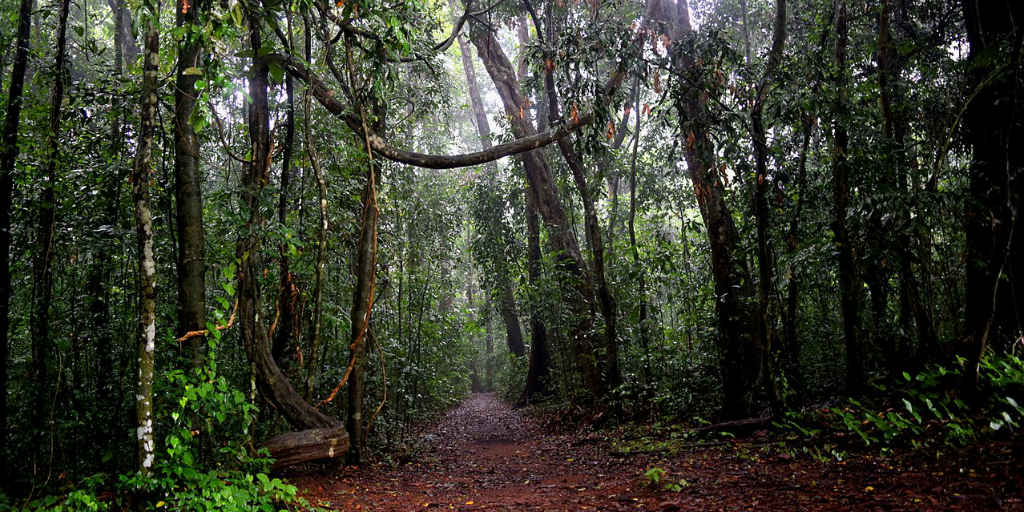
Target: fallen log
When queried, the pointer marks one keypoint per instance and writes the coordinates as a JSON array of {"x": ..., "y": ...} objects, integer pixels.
[
  {"x": 738, "y": 427},
  {"x": 308, "y": 445}
]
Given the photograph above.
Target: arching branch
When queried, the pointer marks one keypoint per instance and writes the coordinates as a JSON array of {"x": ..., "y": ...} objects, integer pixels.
[{"x": 329, "y": 100}]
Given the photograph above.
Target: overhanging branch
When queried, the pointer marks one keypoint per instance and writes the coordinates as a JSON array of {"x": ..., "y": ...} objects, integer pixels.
[{"x": 329, "y": 100}]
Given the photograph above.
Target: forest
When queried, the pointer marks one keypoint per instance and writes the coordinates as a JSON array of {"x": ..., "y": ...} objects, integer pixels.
[{"x": 260, "y": 254}]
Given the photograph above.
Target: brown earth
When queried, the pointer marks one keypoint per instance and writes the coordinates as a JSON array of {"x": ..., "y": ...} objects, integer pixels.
[{"x": 487, "y": 456}]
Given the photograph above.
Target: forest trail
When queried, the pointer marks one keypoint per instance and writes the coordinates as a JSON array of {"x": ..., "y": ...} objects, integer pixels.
[{"x": 486, "y": 456}]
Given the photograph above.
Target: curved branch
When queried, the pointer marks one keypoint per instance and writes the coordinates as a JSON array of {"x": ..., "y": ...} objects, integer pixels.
[{"x": 328, "y": 99}]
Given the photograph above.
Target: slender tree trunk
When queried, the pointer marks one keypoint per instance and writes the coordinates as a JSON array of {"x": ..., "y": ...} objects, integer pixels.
[
  {"x": 42, "y": 265},
  {"x": 313, "y": 360},
  {"x": 141, "y": 176},
  {"x": 792, "y": 349},
  {"x": 289, "y": 294},
  {"x": 736, "y": 319},
  {"x": 848, "y": 295},
  {"x": 363, "y": 295},
  {"x": 505, "y": 294},
  {"x": 609, "y": 360},
  {"x": 579, "y": 295},
  {"x": 642, "y": 320},
  {"x": 539, "y": 371},
  {"x": 766, "y": 299},
  {"x": 993, "y": 126},
  {"x": 123, "y": 30},
  {"x": 191, "y": 264},
  {"x": 99, "y": 278},
  {"x": 9, "y": 150},
  {"x": 273, "y": 384}
]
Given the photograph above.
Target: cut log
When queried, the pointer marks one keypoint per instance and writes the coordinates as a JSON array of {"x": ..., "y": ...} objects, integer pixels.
[{"x": 308, "y": 445}]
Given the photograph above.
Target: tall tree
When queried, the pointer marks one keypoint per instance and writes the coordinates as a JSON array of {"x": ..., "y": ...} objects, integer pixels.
[
  {"x": 736, "y": 318},
  {"x": 993, "y": 127},
  {"x": 580, "y": 295},
  {"x": 141, "y": 176},
  {"x": 847, "y": 273},
  {"x": 766, "y": 298},
  {"x": 9, "y": 150},
  {"x": 504, "y": 294},
  {"x": 42, "y": 262},
  {"x": 609, "y": 367},
  {"x": 188, "y": 194},
  {"x": 320, "y": 436}
]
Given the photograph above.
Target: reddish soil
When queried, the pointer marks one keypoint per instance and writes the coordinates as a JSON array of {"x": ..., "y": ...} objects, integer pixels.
[{"x": 486, "y": 456}]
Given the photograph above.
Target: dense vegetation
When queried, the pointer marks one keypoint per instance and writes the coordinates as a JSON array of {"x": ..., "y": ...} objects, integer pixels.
[{"x": 232, "y": 230}]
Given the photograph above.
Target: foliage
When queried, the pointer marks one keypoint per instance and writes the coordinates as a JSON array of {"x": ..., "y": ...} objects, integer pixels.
[
  {"x": 928, "y": 410},
  {"x": 207, "y": 463}
]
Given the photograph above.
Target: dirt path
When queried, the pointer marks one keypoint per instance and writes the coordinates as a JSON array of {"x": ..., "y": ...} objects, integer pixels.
[{"x": 486, "y": 456}]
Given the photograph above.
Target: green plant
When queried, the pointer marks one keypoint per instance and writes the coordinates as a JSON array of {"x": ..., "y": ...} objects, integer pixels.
[{"x": 654, "y": 476}]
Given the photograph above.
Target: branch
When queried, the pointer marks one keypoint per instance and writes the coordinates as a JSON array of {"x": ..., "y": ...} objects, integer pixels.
[
  {"x": 328, "y": 99},
  {"x": 203, "y": 332}
]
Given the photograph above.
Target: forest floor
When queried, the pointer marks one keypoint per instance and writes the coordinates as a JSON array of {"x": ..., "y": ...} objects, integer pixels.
[{"x": 486, "y": 456}]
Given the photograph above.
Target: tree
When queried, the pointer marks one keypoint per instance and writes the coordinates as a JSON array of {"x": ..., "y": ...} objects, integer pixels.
[
  {"x": 9, "y": 150},
  {"x": 848, "y": 294},
  {"x": 188, "y": 194},
  {"x": 42, "y": 263},
  {"x": 765, "y": 259},
  {"x": 736, "y": 321},
  {"x": 146, "y": 341},
  {"x": 992, "y": 125}
]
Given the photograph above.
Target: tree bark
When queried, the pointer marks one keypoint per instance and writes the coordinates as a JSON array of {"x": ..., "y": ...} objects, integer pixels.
[
  {"x": 188, "y": 193},
  {"x": 313, "y": 360},
  {"x": 609, "y": 359},
  {"x": 766, "y": 299},
  {"x": 736, "y": 318},
  {"x": 42, "y": 264},
  {"x": 141, "y": 176},
  {"x": 289, "y": 294},
  {"x": 123, "y": 30},
  {"x": 362, "y": 305},
  {"x": 539, "y": 371},
  {"x": 579, "y": 294},
  {"x": 504, "y": 293},
  {"x": 9, "y": 150},
  {"x": 993, "y": 126},
  {"x": 272, "y": 383},
  {"x": 848, "y": 296}
]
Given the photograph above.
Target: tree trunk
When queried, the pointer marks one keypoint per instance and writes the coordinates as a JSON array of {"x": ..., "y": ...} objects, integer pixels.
[
  {"x": 504, "y": 294},
  {"x": 141, "y": 176},
  {"x": 362, "y": 306},
  {"x": 98, "y": 282},
  {"x": 792, "y": 348},
  {"x": 579, "y": 295},
  {"x": 191, "y": 264},
  {"x": 609, "y": 360},
  {"x": 766, "y": 299},
  {"x": 540, "y": 357},
  {"x": 992, "y": 124},
  {"x": 848, "y": 295},
  {"x": 123, "y": 30},
  {"x": 42, "y": 264},
  {"x": 273, "y": 384},
  {"x": 313, "y": 360},
  {"x": 289, "y": 294},
  {"x": 9, "y": 150},
  {"x": 635, "y": 250},
  {"x": 736, "y": 320}
]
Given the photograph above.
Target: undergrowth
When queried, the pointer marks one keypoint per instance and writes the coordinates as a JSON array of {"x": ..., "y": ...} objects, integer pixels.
[
  {"x": 207, "y": 462},
  {"x": 925, "y": 410}
]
